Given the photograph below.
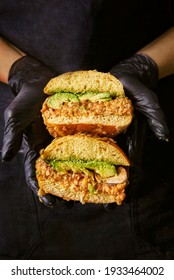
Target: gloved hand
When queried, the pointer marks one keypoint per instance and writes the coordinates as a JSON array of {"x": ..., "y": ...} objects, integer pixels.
[
  {"x": 23, "y": 121},
  {"x": 132, "y": 143},
  {"x": 139, "y": 75},
  {"x": 134, "y": 148}
]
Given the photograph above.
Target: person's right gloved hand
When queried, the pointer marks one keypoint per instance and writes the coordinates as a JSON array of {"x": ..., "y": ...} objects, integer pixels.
[
  {"x": 139, "y": 76},
  {"x": 23, "y": 120}
]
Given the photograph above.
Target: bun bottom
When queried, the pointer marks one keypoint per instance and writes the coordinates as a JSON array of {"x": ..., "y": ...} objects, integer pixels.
[
  {"x": 75, "y": 186},
  {"x": 57, "y": 130}
]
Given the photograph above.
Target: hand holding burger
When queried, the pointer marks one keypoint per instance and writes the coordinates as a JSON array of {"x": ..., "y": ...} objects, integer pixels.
[
  {"x": 139, "y": 76},
  {"x": 23, "y": 120}
]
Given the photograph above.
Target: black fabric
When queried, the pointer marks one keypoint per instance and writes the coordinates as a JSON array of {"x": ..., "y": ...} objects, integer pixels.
[
  {"x": 140, "y": 229},
  {"x": 75, "y": 34}
]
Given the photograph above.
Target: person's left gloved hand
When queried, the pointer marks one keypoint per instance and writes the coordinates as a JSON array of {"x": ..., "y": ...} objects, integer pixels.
[{"x": 23, "y": 120}]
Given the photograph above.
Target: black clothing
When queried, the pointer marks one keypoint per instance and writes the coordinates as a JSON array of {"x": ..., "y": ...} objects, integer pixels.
[
  {"x": 61, "y": 33},
  {"x": 70, "y": 35}
]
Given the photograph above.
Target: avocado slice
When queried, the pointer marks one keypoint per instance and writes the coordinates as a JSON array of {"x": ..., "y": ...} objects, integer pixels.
[
  {"x": 91, "y": 96},
  {"x": 56, "y": 100},
  {"x": 105, "y": 169}
]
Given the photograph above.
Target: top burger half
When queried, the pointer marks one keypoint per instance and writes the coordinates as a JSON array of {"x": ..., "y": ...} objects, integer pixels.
[{"x": 86, "y": 101}]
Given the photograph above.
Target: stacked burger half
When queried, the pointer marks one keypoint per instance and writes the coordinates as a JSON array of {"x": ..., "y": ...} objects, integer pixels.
[{"x": 84, "y": 112}]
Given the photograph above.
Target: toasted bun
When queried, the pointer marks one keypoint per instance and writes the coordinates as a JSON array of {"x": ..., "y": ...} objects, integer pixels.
[
  {"x": 84, "y": 81},
  {"x": 104, "y": 118},
  {"x": 74, "y": 186},
  {"x": 85, "y": 147}
]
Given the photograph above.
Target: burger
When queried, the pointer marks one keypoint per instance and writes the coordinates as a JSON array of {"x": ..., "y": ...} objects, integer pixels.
[
  {"x": 83, "y": 167},
  {"x": 86, "y": 101}
]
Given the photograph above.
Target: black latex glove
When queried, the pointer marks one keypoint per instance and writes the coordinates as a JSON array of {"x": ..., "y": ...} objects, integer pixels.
[
  {"x": 139, "y": 75},
  {"x": 132, "y": 142},
  {"x": 134, "y": 148},
  {"x": 23, "y": 121}
]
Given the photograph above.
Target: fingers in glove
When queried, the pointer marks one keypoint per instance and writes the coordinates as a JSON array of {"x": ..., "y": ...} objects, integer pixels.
[
  {"x": 48, "y": 200},
  {"x": 135, "y": 141},
  {"x": 30, "y": 156},
  {"x": 12, "y": 137},
  {"x": 146, "y": 102},
  {"x": 18, "y": 115},
  {"x": 133, "y": 145},
  {"x": 30, "y": 72}
]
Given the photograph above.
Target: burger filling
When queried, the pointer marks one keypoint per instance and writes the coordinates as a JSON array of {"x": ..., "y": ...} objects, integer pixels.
[
  {"x": 104, "y": 169},
  {"x": 56, "y": 100},
  {"x": 99, "y": 171},
  {"x": 69, "y": 105},
  {"x": 87, "y": 181}
]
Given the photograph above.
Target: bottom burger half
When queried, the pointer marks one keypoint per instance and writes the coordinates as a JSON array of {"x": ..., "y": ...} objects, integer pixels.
[{"x": 83, "y": 168}]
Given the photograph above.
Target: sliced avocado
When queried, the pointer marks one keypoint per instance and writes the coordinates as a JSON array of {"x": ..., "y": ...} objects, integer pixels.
[
  {"x": 91, "y": 96},
  {"x": 56, "y": 100},
  {"x": 105, "y": 169},
  {"x": 65, "y": 166}
]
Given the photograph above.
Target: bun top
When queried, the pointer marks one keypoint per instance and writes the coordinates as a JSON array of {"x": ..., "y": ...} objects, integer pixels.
[
  {"x": 85, "y": 81},
  {"x": 85, "y": 147}
]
